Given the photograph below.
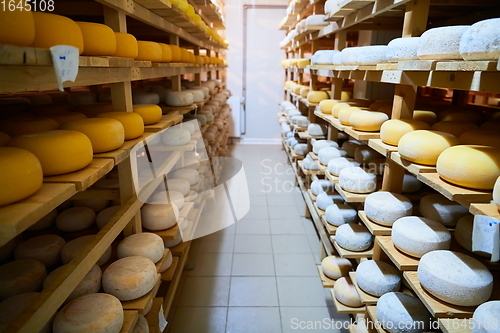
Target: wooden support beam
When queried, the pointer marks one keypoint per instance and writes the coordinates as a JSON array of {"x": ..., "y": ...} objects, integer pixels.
[
  {"x": 404, "y": 101},
  {"x": 116, "y": 20},
  {"x": 416, "y": 14},
  {"x": 197, "y": 76}
]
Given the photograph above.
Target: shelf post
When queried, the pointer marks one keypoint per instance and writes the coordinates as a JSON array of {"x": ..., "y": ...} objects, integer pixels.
[
  {"x": 217, "y": 77},
  {"x": 339, "y": 44},
  {"x": 176, "y": 79},
  {"x": 197, "y": 76}
]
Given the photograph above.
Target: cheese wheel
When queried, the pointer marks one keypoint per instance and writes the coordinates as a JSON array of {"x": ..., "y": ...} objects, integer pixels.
[
  {"x": 354, "y": 237},
  {"x": 324, "y": 200},
  {"x": 106, "y": 215},
  {"x": 485, "y": 318},
  {"x": 428, "y": 117},
  {"x": 176, "y": 136},
  {"x": 18, "y": 182},
  {"x": 401, "y": 313},
  {"x": 367, "y": 121},
  {"x": 192, "y": 176},
  {"x": 126, "y": 45},
  {"x": 179, "y": 185},
  {"x": 302, "y": 121},
  {"x": 64, "y": 117},
  {"x": 21, "y": 276},
  {"x": 98, "y": 39},
  {"x": 336, "y": 267},
  {"x": 105, "y": 134},
  {"x": 455, "y": 128},
  {"x": 83, "y": 98},
  {"x": 340, "y": 214},
  {"x": 481, "y": 137},
  {"x": 328, "y": 153},
  {"x": 335, "y": 165},
  {"x": 75, "y": 246},
  {"x": 438, "y": 208},
  {"x": 319, "y": 144},
  {"x": 96, "y": 205},
  {"x": 141, "y": 326},
  {"x": 143, "y": 97},
  {"x": 346, "y": 293},
  {"x": 178, "y": 98},
  {"x": 344, "y": 114},
  {"x": 167, "y": 197},
  {"x": 392, "y": 130},
  {"x": 455, "y": 278},
  {"x": 17, "y": 27},
  {"x": 317, "y": 96},
  {"x": 52, "y": 30},
  {"x": 129, "y": 278},
  {"x": 496, "y": 193},
  {"x": 377, "y": 277},
  {"x": 167, "y": 262},
  {"x": 166, "y": 52},
  {"x": 12, "y": 307},
  {"x": 148, "y": 51},
  {"x": 424, "y": 147},
  {"x": 480, "y": 41},
  {"x": 45, "y": 248},
  {"x": 322, "y": 185},
  {"x": 417, "y": 236},
  {"x": 143, "y": 244},
  {"x": 90, "y": 284},
  {"x": 317, "y": 130},
  {"x": 4, "y": 139},
  {"x": 75, "y": 219},
  {"x": 386, "y": 207},
  {"x": 45, "y": 222},
  {"x": 326, "y": 105},
  {"x": 411, "y": 184},
  {"x": 402, "y": 49},
  {"x": 176, "y": 53},
  {"x": 90, "y": 313},
  {"x": 357, "y": 180},
  {"x": 159, "y": 216},
  {"x": 441, "y": 43},
  {"x": 133, "y": 124},
  {"x": 300, "y": 149},
  {"x": 28, "y": 125},
  {"x": 150, "y": 113},
  {"x": 365, "y": 154}
]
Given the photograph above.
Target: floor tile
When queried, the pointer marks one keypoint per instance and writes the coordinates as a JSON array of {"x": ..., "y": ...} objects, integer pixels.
[
  {"x": 253, "y": 227},
  {"x": 300, "y": 264},
  {"x": 301, "y": 291},
  {"x": 258, "y": 200},
  {"x": 291, "y": 244},
  {"x": 253, "y": 320},
  {"x": 211, "y": 264},
  {"x": 253, "y": 244},
  {"x": 309, "y": 227},
  {"x": 257, "y": 213},
  {"x": 205, "y": 291},
  {"x": 281, "y": 201},
  {"x": 261, "y": 264},
  {"x": 290, "y": 212},
  {"x": 308, "y": 319},
  {"x": 199, "y": 320},
  {"x": 287, "y": 227},
  {"x": 253, "y": 291}
]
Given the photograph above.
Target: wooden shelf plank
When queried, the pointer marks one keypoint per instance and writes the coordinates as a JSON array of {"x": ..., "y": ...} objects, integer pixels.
[
  {"x": 174, "y": 283},
  {"x": 350, "y": 197},
  {"x": 359, "y": 135},
  {"x": 319, "y": 211},
  {"x": 411, "y": 167},
  {"x": 165, "y": 122},
  {"x": 402, "y": 261},
  {"x": 306, "y": 136},
  {"x": 381, "y": 147},
  {"x": 306, "y": 171},
  {"x": 311, "y": 195},
  {"x": 351, "y": 254},
  {"x": 153, "y": 315},
  {"x": 313, "y": 156},
  {"x": 449, "y": 325},
  {"x": 168, "y": 275},
  {"x": 160, "y": 263},
  {"x": 342, "y": 308},
  {"x": 330, "y": 229},
  {"x": 366, "y": 299},
  {"x": 129, "y": 321},
  {"x": 467, "y": 66},
  {"x": 375, "y": 228},
  {"x": 325, "y": 281},
  {"x": 180, "y": 249},
  {"x": 187, "y": 147},
  {"x": 492, "y": 210},
  {"x": 330, "y": 177},
  {"x": 330, "y": 119},
  {"x": 141, "y": 303},
  {"x": 179, "y": 109},
  {"x": 372, "y": 313},
  {"x": 120, "y": 154}
]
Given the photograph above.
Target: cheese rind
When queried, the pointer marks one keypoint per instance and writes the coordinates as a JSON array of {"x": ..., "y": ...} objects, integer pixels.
[
  {"x": 17, "y": 27},
  {"x": 98, "y": 39},
  {"x": 75, "y": 246},
  {"x": 424, "y": 147},
  {"x": 485, "y": 318},
  {"x": 148, "y": 51},
  {"x": 28, "y": 125},
  {"x": 481, "y": 41},
  {"x": 44, "y": 248},
  {"x": 438, "y": 208},
  {"x": 367, "y": 121},
  {"x": 401, "y": 313},
  {"x": 335, "y": 165},
  {"x": 392, "y": 130},
  {"x": 324, "y": 200},
  {"x": 21, "y": 276},
  {"x": 339, "y": 214},
  {"x": 75, "y": 219},
  {"x": 328, "y": 153},
  {"x": 158, "y": 216},
  {"x": 456, "y": 128},
  {"x": 481, "y": 137},
  {"x": 150, "y": 113},
  {"x": 346, "y": 293},
  {"x": 105, "y": 134},
  {"x": 354, "y": 237},
  {"x": 336, "y": 267},
  {"x": 52, "y": 30},
  {"x": 326, "y": 105},
  {"x": 441, "y": 43},
  {"x": 126, "y": 45},
  {"x": 90, "y": 284},
  {"x": 144, "y": 244},
  {"x": 357, "y": 180},
  {"x": 386, "y": 207},
  {"x": 377, "y": 277},
  {"x": 132, "y": 123},
  {"x": 496, "y": 192}
]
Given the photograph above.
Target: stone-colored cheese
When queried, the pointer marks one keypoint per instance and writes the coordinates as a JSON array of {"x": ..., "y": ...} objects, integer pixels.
[
  {"x": 300, "y": 148},
  {"x": 179, "y": 185},
  {"x": 310, "y": 164},
  {"x": 365, "y": 154},
  {"x": 402, "y": 49},
  {"x": 141, "y": 326},
  {"x": 335, "y": 165},
  {"x": 150, "y": 113},
  {"x": 178, "y": 98},
  {"x": 428, "y": 117},
  {"x": 158, "y": 216},
  {"x": 392, "y": 130},
  {"x": 481, "y": 137},
  {"x": 316, "y": 129},
  {"x": 98, "y": 39},
  {"x": 328, "y": 153},
  {"x": 126, "y": 45},
  {"x": 465, "y": 116},
  {"x": 456, "y": 128},
  {"x": 326, "y": 105},
  {"x": 192, "y": 176},
  {"x": 28, "y": 125},
  {"x": 340, "y": 214},
  {"x": 148, "y": 51},
  {"x": 385, "y": 207},
  {"x": 455, "y": 278},
  {"x": 105, "y": 215},
  {"x": 402, "y": 313},
  {"x": 463, "y": 234},
  {"x": 198, "y": 95},
  {"x": 94, "y": 313},
  {"x": 320, "y": 144},
  {"x": 424, "y": 147},
  {"x": 471, "y": 166},
  {"x": 377, "y": 277},
  {"x": 317, "y": 96},
  {"x": 174, "y": 242},
  {"x": 354, "y": 237},
  {"x": 441, "y": 43},
  {"x": 21, "y": 276},
  {"x": 45, "y": 248},
  {"x": 176, "y": 136},
  {"x": 336, "y": 267},
  {"x": 44, "y": 222},
  {"x": 92, "y": 110},
  {"x": 322, "y": 185},
  {"x": 438, "y": 208},
  {"x": 143, "y": 97},
  {"x": 167, "y": 197},
  {"x": 104, "y": 134},
  {"x": 75, "y": 219},
  {"x": 52, "y": 30},
  {"x": 417, "y": 236},
  {"x": 90, "y": 284},
  {"x": 12, "y": 307},
  {"x": 481, "y": 41},
  {"x": 357, "y": 180},
  {"x": 96, "y": 205},
  {"x": 485, "y": 318},
  {"x": 324, "y": 200},
  {"x": 75, "y": 246},
  {"x": 132, "y": 123},
  {"x": 346, "y": 293},
  {"x": 129, "y": 278},
  {"x": 351, "y": 146},
  {"x": 18, "y": 27},
  {"x": 371, "y": 55},
  {"x": 167, "y": 262},
  {"x": 411, "y": 184},
  {"x": 143, "y": 244},
  {"x": 367, "y": 121},
  {"x": 302, "y": 121}
]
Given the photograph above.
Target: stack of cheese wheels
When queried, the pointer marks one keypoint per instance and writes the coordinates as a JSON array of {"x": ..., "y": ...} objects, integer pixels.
[
  {"x": 75, "y": 246},
  {"x": 143, "y": 244},
  {"x": 98, "y": 39},
  {"x": 326, "y": 105},
  {"x": 18, "y": 27},
  {"x": 386, "y": 207},
  {"x": 346, "y": 293},
  {"x": 126, "y": 45},
  {"x": 357, "y": 180},
  {"x": 75, "y": 219},
  {"x": 45, "y": 248},
  {"x": 438, "y": 208},
  {"x": 105, "y": 134},
  {"x": 398, "y": 312},
  {"x": 392, "y": 130},
  {"x": 130, "y": 278},
  {"x": 21, "y": 276},
  {"x": 485, "y": 315},
  {"x": 354, "y": 237},
  {"x": 52, "y": 30},
  {"x": 90, "y": 312},
  {"x": 159, "y": 216},
  {"x": 148, "y": 51},
  {"x": 11, "y": 308},
  {"x": 335, "y": 267},
  {"x": 441, "y": 43},
  {"x": 90, "y": 284},
  {"x": 455, "y": 278},
  {"x": 339, "y": 214},
  {"x": 377, "y": 277},
  {"x": 132, "y": 123},
  {"x": 367, "y": 121},
  {"x": 150, "y": 113},
  {"x": 424, "y": 147}
]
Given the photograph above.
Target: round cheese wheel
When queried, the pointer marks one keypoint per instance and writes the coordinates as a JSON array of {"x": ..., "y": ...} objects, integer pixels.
[
  {"x": 328, "y": 153},
  {"x": 176, "y": 136},
  {"x": 159, "y": 216},
  {"x": 143, "y": 97},
  {"x": 301, "y": 121},
  {"x": 401, "y": 313},
  {"x": 481, "y": 137},
  {"x": 335, "y": 165},
  {"x": 463, "y": 232},
  {"x": 90, "y": 284},
  {"x": 106, "y": 215},
  {"x": 472, "y": 166},
  {"x": 367, "y": 121},
  {"x": 428, "y": 117},
  {"x": 496, "y": 192},
  {"x": 300, "y": 149},
  {"x": 417, "y": 236},
  {"x": 179, "y": 185},
  {"x": 351, "y": 146},
  {"x": 317, "y": 96},
  {"x": 340, "y": 214},
  {"x": 402, "y": 49},
  {"x": 320, "y": 144},
  {"x": 464, "y": 116},
  {"x": 143, "y": 244},
  {"x": 344, "y": 114},
  {"x": 21, "y": 276},
  {"x": 174, "y": 242},
  {"x": 176, "y": 53},
  {"x": 132, "y": 123},
  {"x": 52, "y": 30},
  {"x": 441, "y": 43},
  {"x": 45, "y": 248},
  {"x": 424, "y": 147},
  {"x": 354, "y": 237},
  {"x": 386, "y": 207},
  {"x": 485, "y": 318},
  {"x": 105, "y": 134},
  {"x": 64, "y": 117},
  {"x": 75, "y": 219},
  {"x": 150, "y": 113},
  {"x": 126, "y": 45},
  {"x": 166, "y": 52},
  {"x": 455, "y": 278},
  {"x": 75, "y": 246},
  {"x": 411, "y": 184},
  {"x": 167, "y": 197},
  {"x": 141, "y": 326},
  {"x": 28, "y": 125},
  {"x": 309, "y": 164},
  {"x": 480, "y": 42},
  {"x": 148, "y": 51},
  {"x": 324, "y": 200},
  {"x": 192, "y": 176},
  {"x": 90, "y": 313},
  {"x": 98, "y": 39},
  {"x": 438, "y": 208},
  {"x": 322, "y": 185},
  {"x": 346, "y": 293},
  {"x": 336, "y": 267},
  {"x": 316, "y": 129},
  {"x": 365, "y": 154},
  {"x": 357, "y": 180},
  {"x": 377, "y": 277},
  {"x": 456, "y": 128},
  {"x": 129, "y": 278},
  {"x": 392, "y": 130},
  {"x": 12, "y": 307},
  {"x": 198, "y": 95},
  {"x": 18, "y": 27},
  {"x": 44, "y": 222},
  {"x": 18, "y": 183},
  {"x": 96, "y": 205},
  {"x": 178, "y": 98},
  {"x": 168, "y": 261},
  {"x": 326, "y": 105},
  {"x": 337, "y": 107}
]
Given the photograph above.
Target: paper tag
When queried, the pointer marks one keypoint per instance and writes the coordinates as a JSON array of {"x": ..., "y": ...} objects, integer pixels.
[
  {"x": 66, "y": 61},
  {"x": 162, "y": 321},
  {"x": 486, "y": 236}
]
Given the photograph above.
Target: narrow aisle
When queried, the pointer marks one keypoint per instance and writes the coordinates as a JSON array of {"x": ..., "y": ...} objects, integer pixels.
[{"x": 260, "y": 274}]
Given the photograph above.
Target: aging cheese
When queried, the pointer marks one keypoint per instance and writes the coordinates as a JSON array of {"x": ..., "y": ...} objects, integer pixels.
[
  {"x": 44, "y": 222},
  {"x": 402, "y": 313},
  {"x": 337, "y": 107},
  {"x": 141, "y": 326},
  {"x": 132, "y": 123},
  {"x": 367, "y": 121},
  {"x": 346, "y": 293},
  {"x": 323, "y": 200},
  {"x": 179, "y": 185},
  {"x": 126, "y": 45},
  {"x": 28, "y": 125},
  {"x": 168, "y": 261},
  {"x": 463, "y": 232},
  {"x": 339, "y": 214},
  {"x": 192, "y": 176},
  {"x": 167, "y": 197},
  {"x": 105, "y": 134},
  {"x": 176, "y": 136},
  {"x": 98, "y": 39},
  {"x": 377, "y": 277},
  {"x": 456, "y": 128},
  {"x": 481, "y": 41},
  {"x": 96, "y": 205},
  {"x": 45, "y": 248},
  {"x": 75, "y": 246},
  {"x": 465, "y": 116},
  {"x": 428, "y": 117},
  {"x": 402, "y": 49},
  {"x": 105, "y": 215},
  {"x": 317, "y": 96},
  {"x": 438, "y": 208},
  {"x": 64, "y": 117},
  {"x": 148, "y": 51},
  {"x": 326, "y": 105},
  {"x": 365, "y": 154},
  {"x": 322, "y": 185},
  {"x": 335, "y": 165},
  {"x": 75, "y": 219},
  {"x": 316, "y": 129},
  {"x": 12, "y": 307},
  {"x": 166, "y": 52},
  {"x": 17, "y": 27},
  {"x": 52, "y": 30},
  {"x": 84, "y": 98},
  {"x": 344, "y": 114},
  {"x": 328, "y": 153},
  {"x": 336, "y": 267},
  {"x": 481, "y": 137},
  {"x": 150, "y": 113},
  {"x": 92, "y": 110},
  {"x": 354, "y": 237},
  {"x": 357, "y": 180},
  {"x": 411, "y": 184},
  {"x": 142, "y": 97},
  {"x": 144, "y": 244},
  {"x": 159, "y": 216},
  {"x": 178, "y": 98},
  {"x": 90, "y": 284},
  {"x": 386, "y": 207},
  {"x": 392, "y": 130},
  {"x": 496, "y": 192},
  {"x": 21, "y": 276},
  {"x": 300, "y": 149},
  {"x": 485, "y": 318},
  {"x": 441, "y": 43},
  {"x": 424, "y": 147}
]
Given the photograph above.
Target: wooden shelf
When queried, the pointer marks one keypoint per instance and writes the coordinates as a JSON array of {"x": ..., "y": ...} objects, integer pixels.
[
  {"x": 306, "y": 136},
  {"x": 187, "y": 147},
  {"x": 402, "y": 261},
  {"x": 129, "y": 321},
  {"x": 350, "y": 197},
  {"x": 330, "y": 229},
  {"x": 160, "y": 263},
  {"x": 375, "y": 228},
  {"x": 381, "y": 147},
  {"x": 141, "y": 303},
  {"x": 330, "y": 177},
  {"x": 168, "y": 275},
  {"x": 413, "y": 168},
  {"x": 153, "y": 315},
  {"x": 319, "y": 211},
  {"x": 366, "y": 299},
  {"x": 325, "y": 281},
  {"x": 306, "y": 171},
  {"x": 122, "y": 153},
  {"x": 351, "y": 254},
  {"x": 372, "y": 313},
  {"x": 449, "y": 325},
  {"x": 330, "y": 119},
  {"x": 166, "y": 121},
  {"x": 359, "y": 135},
  {"x": 492, "y": 210},
  {"x": 342, "y": 308},
  {"x": 313, "y": 156},
  {"x": 180, "y": 249},
  {"x": 311, "y": 195}
]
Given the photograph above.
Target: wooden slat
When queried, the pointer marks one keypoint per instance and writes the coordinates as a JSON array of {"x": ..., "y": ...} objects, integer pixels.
[
  {"x": 492, "y": 210},
  {"x": 319, "y": 211},
  {"x": 180, "y": 250},
  {"x": 188, "y": 147},
  {"x": 160, "y": 263},
  {"x": 168, "y": 275},
  {"x": 86, "y": 61},
  {"x": 120, "y": 154},
  {"x": 402, "y": 261},
  {"x": 417, "y": 65},
  {"x": 19, "y": 55},
  {"x": 306, "y": 136},
  {"x": 342, "y": 308},
  {"x": 325, "y": 281},
  {"x": 165, "y": 122},
  {"x": 307, "y": 172},
  {"x": 180, "y": 109},
  {"x": 351, "y": 254},
  {"x": 359, "y": 135},
  {"x": 413, "y": 168},
  {"x": 366, "y": 299},
  {"x": 374, "y": 228},
  {"x": 467, "y": 66},
  {"x": 141, "y": 303},
  {"x": 381, "y": 147},
  {"x": 168, "y": 234},
  {"x": 350, "y": 197},
  {"x": 153, "y": 315},
  {"x": 330, "y": 229},
  {"x": 372, "y": 313},
  {"x": 330, "y": 177},
  {"x": 86, "y": 177},
  {"x": 129, "y": 321}
]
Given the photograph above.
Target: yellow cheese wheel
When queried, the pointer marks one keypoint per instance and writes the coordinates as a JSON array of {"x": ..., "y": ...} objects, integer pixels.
[
  {"x": 337, "y": 107},
  {"x": 98, "y": 39},
  {"x": 126, "y": 45},
  {"x": 199, "y": 60},
  {"x": 51, "y": 30},
  {"x": 105, "y": 134},
  {"x": 17, "y": 27},
  {"x": 326, "y": 105},
  {"x": 176, "y": 53},
  {"x": 183, "y": 5},
  {"x": 4, "y": 139},
  {"x": 92, "y": 110},
  {"x": 303, "y": 63},
  {"x": 345, "y": 96},
  {"x": 48, "y": 110},
  {"x": 316, "y": 96},
  {"x": 428, "y": 117},
  {"x": 466, "y": 116},
  {"x": 392, "y": 130},
  {"x": 304, "y": 91},
  {"x": 424, "y": 146},
  {"x": 184, "y": 55},
  {"x": 132, "y": 123},
  {"x": 148, "y": 51},
  {"x": 456, "y": 128},
  {"x": 166, "y": 52},
  {"x": 491, "y": 125},
  {"x": 481, "y": 137},
  {"x": 27, "y": 125},
  {"x": 345, "y": 114},
  {"x": 150, "y": 113},
  {"x": 471, "y": 166},
  {"x": 20, "y": 174},
  {"x": 367, "y": 121},
  {"x": 64, "y": 117},
  {"x": 58, "y": 151}
]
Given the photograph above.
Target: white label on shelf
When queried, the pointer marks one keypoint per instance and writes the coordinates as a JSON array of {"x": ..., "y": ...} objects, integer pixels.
[
  {"x": 66, "y": 60},
  {"x": 486, "y": 236},
  {"x": 162, "y": 321}
]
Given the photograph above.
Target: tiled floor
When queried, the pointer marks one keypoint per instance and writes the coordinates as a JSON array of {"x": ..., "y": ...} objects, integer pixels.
[{"x": 260, "y": 274}]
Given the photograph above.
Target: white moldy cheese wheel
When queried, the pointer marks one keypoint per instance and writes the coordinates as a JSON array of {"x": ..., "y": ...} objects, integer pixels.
[
  {"x": 320, "y": 144},
  {"x": 438, "y": 208},
  {"x": 385, "y": 207},
  {"x": 176, "y": 136},
  {"x": 371, "y": 55},
  {"x": 178, "y": 98},
  {"x": 481, "y": 41},
  {"x": 485, "y": 318},
  {"x": 367, "y": 121},
  {"x": 167, "y": 197},
  {"x": 481, "y": 137},
  {"x": 168, "y": 261},
  {"x": 322, "y": 185},
  {"x": 179, "y": 185},
  {"x": 441, "y": 43},
  {"x": 129, "y": 278},
  {"x": 75, "y": 219},
  {"x": 424, "y": 147},
  {"x": 345, "y": 292},
  {"x": 336, "y": 267},
  {"x": 417, "y": 236},
  {"x": 94, "y": 313},
  {"x": 496, "y": 192},
  {"x": 328, "y": 153},
  {"x": 335, "y": 165},
  {"x": 75, "y": 246},
  {"x": 323, "y": 200},
  {"x": 392, "y": 130},
  {"x": 455, "y": 278},
  {"x": 339, "y": 214},
  {"x": 21, "y": 276},
  {"x": 44, "y": 222},
  {"x": 105, "y": 215},
  {"x": 456, "y": 128},
  {"x": 316, "y": 129},
  {"x": 472, "y": 166},
  {"x": 158, "y": 216},
  {"x": 300, "y": 149},
  {"x": 90, "y": 284},
  {"x": 317, "y": 96},
  {"x": 357, "y": 180},
  {"x": 96, "y": 205},
  {"x": 377, "y": 277},
  {"x": 354, "y": 237},
  {"x": 326, "y": 105},
  {"x": 192, "y": 176},
  {"x": 45, "y": 248},
  {"x": 402, "y": 49},
  {"x": 402, "y": 313},
  {"x": 411, "y": 184},
  {"x": 144, "y": 244},
  {"x": 12, "y": 307}
]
